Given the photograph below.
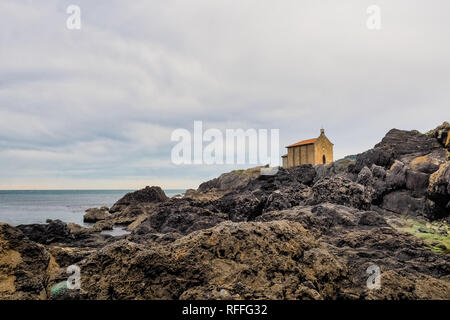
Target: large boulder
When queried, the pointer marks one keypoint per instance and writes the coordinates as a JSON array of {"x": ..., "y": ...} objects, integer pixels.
[
  {"x": 365, "y": 177},
  {"x": 178, "y": 217},
  {"x": 440, "y": 182},
  {"x": 230, "y": 181},
  {"x": 417, "y": 182},
  {"x": 376, "y": 156},
  {"x": 341, "y": 190},
  {"x": 93, "y": 215},
  {"x": 285, "y": 178},
  {"x": 373, "y": 179},
  {"x": 396, "y": 176},
  {"x": 242, "y": 206},
  {"x": 342, "y": 166},
  {"x": 143, "y": 196},
  {"x": 286, "y": 198},
  {"x": 25, "y": 266},
  {"x": 394, "y": 145},
  {"x": 430, "y": 162},
  {"x": 403, "y": 203},
  {"x": 401, "y": 142},
  {"x": 439, "y": 190},
  {"x": 378, "y": 171},
  {"x": 303, "y": 174}
]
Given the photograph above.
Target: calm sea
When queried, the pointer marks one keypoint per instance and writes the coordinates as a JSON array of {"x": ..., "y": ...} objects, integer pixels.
[{"x": 26, "y": 207}]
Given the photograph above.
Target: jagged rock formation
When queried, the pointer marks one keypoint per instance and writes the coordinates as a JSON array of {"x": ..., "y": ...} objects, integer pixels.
[
  {"x": 25, "y": 267},
  {"x": 304, "y": 233},
  {"x": 442, "y": 134},
  {"x": 395, "y": 145},
  {"x": 133, "y": 206},
  {"x": 232, "y": 260},
  {"x": 439, "y": 189},
  {"x": 54, "y": 231}
]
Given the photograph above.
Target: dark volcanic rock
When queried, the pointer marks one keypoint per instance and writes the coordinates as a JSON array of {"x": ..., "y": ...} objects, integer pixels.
[
  {"x": 371, "y": 218},
  {"x": 365, "y": 177},
  {"x": 289, "y": 187},
  {"x": 179, "y": 217},
  {"x": 378, "y": 171},
  {"x": 395, "y": 144},
  {"x": 54, "y": 231},
  {"x": 341, "y": 190},
  {"x": 396, "y": 176},
  {"x": 402, "y": 202},
  {"x": 251, "y": 180},
  {"x": 242, "y": 206},
  {"x": 374, "y": 181},
  {"x": 287, "y": 198},
  {"x": 322, "y": 219},
  {"x": 230, "y": 181},
  {"x": 304, "y": 174},
  {"x": 343, "y": 167},
  {"x": 244, "y": 202},
  {"x": 417, "y": 182},
  {"x": 401, "y": 142},
  {"x": 376, "y": 156},
  {"x": 146, "y": 195}
]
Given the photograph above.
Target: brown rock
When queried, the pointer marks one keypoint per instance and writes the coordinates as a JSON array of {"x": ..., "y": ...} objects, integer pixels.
[
  {"x": 440, "y": 182},
  {"x": 273, "y": 260},
  {"x": 95, "y": 214},
  {"x": 25, "y": 266}
]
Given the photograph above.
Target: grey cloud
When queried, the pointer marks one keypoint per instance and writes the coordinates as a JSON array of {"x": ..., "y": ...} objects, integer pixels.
[{"x": 99, "y": 104}]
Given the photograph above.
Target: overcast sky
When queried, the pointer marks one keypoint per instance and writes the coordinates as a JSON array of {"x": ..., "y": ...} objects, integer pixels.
[{"x": 94, "y": 108}]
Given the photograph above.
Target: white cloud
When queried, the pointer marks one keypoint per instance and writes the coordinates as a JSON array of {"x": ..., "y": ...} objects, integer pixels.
[{"x": 100, "y": 103}]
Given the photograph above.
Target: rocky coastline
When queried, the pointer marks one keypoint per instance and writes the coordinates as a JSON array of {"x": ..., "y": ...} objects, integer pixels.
[{"x": 305, "y": 233}]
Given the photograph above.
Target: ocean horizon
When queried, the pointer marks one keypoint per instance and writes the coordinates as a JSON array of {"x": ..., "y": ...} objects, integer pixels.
[{"x": 36, "y": 206}]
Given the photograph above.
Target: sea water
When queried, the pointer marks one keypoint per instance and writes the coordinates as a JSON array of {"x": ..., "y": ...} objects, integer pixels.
[{"x": 27, "y": 207}]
